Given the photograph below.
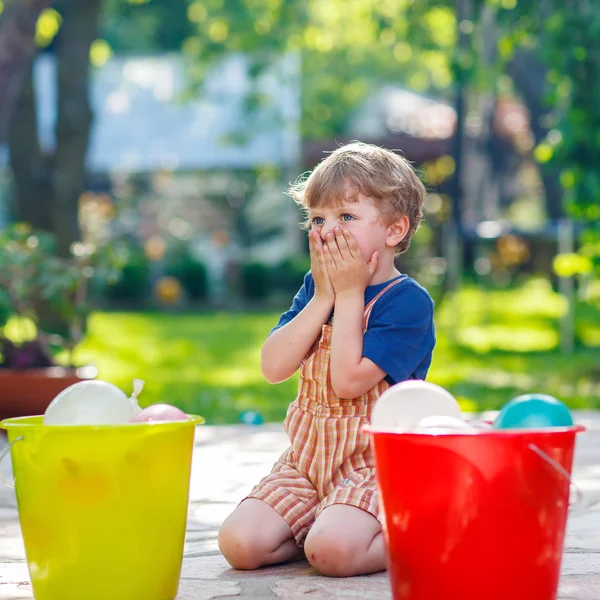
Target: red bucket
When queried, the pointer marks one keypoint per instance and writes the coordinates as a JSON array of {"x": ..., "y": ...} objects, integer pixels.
[{"x": 472, "y": 516}]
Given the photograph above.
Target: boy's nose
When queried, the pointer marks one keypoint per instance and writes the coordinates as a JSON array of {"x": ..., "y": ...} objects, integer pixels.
[{"x": 326, "y": 228}]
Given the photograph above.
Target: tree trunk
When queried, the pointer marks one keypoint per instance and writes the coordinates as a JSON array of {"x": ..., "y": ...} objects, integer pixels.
[
  {"x": 31, "y": 168},
  {"x": 17, "y": 45},
  {"x": 79, "y": 30},
  {"x": 48, "y": 187},
  {"x": 529, "y": 76}
]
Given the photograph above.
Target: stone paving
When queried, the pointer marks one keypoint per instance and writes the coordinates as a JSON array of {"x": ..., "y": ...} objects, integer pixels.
[{"x": 228, "y": 460}]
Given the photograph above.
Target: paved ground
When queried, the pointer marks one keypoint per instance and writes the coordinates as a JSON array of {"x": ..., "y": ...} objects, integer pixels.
[{"x": 228, "y": 460}]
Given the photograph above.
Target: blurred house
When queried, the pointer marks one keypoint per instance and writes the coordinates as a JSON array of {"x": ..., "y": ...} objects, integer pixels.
[
  {"x": 417, "y": 125},
  {"x": 499, "y": 171}
]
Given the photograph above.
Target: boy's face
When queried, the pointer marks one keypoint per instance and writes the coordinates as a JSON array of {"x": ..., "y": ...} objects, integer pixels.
[{"x": 360, "y": 216}]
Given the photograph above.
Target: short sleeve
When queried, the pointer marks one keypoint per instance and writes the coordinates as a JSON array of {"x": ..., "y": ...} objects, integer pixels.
[
  {"x": 301, "y": 299},
  {"x": 400, "y": 336}
]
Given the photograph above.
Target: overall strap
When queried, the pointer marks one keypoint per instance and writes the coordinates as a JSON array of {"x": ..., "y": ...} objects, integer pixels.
[{"x": 369, "y": 306}]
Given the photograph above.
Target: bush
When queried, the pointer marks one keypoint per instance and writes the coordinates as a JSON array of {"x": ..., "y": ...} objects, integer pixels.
[
  {"x": 5, "y": 308},
  {"x": 255, "y": 280},
  {"x": 192, "y": 274},
  {"x": 53, "y": 293},
  {"x": 134, "y": 282},
  {"x": 289, "y": 274}
]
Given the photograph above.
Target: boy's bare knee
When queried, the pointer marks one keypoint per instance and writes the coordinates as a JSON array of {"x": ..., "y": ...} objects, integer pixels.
[
  {"x": 330, "y": 555},
  {"x": 239, "y": 548}
]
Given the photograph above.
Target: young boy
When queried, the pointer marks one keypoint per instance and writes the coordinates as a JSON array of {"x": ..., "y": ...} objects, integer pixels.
[{"x": 355, "y": 327}]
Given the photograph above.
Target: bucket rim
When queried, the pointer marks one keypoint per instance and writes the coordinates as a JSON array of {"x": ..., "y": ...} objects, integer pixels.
[
  {"x": 506, "y": 433},
  {"x": 32, "y": 421}
]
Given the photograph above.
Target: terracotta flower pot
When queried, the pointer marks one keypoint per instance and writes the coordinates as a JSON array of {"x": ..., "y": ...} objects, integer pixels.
[{"x": 25, "y": 392}]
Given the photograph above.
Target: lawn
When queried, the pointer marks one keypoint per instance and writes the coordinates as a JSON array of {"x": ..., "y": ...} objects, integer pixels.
[{"x": 491, "y": 346}]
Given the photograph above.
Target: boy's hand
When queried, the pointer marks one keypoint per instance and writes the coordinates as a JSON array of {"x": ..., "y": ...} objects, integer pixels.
[
  {"x": 323, "y": 287},
  {"x": 347, "y": 268}
]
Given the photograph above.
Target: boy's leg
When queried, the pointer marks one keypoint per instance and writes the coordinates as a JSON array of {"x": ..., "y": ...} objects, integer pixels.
[
  {"x": 255, "y": 535},
  {"x": 346, "y": 541}
]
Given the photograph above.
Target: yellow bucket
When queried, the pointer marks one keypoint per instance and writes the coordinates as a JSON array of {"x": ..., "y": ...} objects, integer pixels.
[{"x": 103, "y": 509}]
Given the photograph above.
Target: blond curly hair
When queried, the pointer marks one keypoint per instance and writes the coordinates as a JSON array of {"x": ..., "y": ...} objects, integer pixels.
[{"x": 384, "y": 176}]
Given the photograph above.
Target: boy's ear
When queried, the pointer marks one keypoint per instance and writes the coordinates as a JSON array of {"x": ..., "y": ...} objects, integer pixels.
[{"x": 397, "y": 231}]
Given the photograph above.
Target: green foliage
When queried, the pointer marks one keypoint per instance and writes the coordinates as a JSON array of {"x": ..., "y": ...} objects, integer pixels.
[
  {"x": 567, "y": 38},
  {"x": 5, "y": 308},
  {"x": 192, "y": 275},
  {"x": 347, "y": 48},
  {"x": 255, "y": 280},
  {"x": 571, "y": 265},
  {"x": 289, "y": 274},
  {"x": 133, "y": 282},
  {"x": 505, "y": 343},
  {"x": 51, "y": 292},
  {"x": 145, "y": 25}
]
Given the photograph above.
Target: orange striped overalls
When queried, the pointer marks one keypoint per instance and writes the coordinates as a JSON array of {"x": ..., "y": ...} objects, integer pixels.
[{"x": 330, "y": 460}]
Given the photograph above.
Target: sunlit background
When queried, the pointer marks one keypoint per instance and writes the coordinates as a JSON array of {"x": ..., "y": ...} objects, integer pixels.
[{"x": 146, "y": 147}]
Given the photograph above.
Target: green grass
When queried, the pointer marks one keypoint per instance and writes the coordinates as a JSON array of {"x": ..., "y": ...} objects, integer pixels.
[{"x": 491, "y": 346}]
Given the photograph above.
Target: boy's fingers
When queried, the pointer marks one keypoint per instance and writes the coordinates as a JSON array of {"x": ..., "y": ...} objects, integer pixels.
[
  {"x": 332, "y": 245},
  {"x": 329, "y": 260},
  {"x": 314, "y": 246},
  {"x": 312, "y": 249},
  {"x": 351, "y": 242},
  {"x": 342, "y": 243},
  {"x": 321, "y": 255}
]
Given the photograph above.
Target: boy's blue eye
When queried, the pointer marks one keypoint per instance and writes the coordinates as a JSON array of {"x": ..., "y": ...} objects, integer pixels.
[
  {"x": 347, "y": 217},
  {"x": 318, "y": 220}
]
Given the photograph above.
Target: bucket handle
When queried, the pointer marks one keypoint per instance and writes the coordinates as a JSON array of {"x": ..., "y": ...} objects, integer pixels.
[
  {"x": 575, "y": 495},
  {"x": 3, "y": 455}
]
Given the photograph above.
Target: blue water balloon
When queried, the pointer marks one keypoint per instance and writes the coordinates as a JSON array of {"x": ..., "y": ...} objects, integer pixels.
[
  {"x": 251, "y": 417},
  {"x": 533, "y": 411}
]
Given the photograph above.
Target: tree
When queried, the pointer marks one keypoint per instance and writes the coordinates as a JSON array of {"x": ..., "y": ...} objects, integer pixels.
[
  {"x": 347, "y": 48},
  {"x": 17, "y": 45},
  {"x": 145, "y": 26},
  {"x": 48, "y": 187},
  {"x": 560, "y": 42}
]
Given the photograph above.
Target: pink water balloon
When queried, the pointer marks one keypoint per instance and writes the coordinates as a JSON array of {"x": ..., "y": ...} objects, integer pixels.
[{"x": 159, "y": 412}]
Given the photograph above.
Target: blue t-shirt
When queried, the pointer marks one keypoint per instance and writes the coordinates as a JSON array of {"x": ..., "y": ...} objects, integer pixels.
[{"x": 400, "y": 335}]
